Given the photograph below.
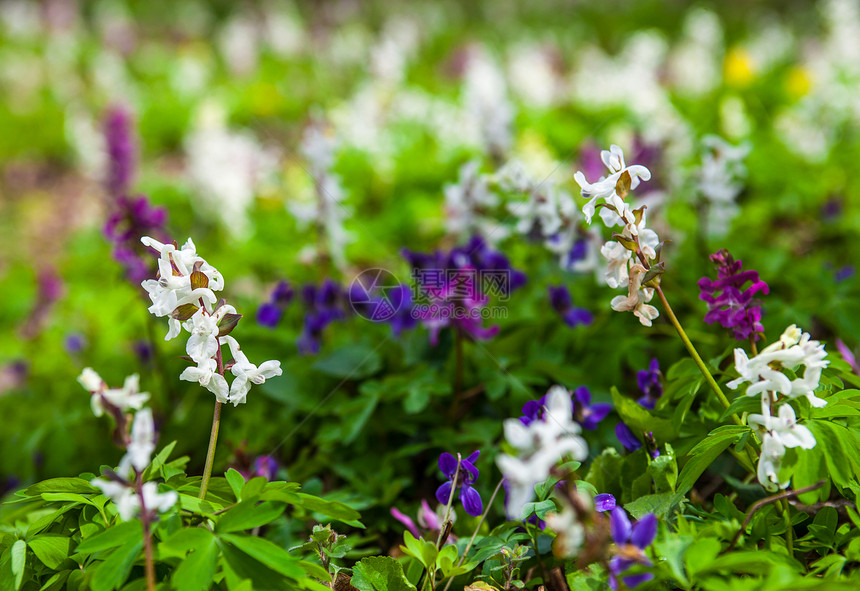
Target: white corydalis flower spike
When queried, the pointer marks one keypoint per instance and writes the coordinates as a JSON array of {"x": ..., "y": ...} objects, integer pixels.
[
  {"x": 606, "y": 187},
  {"x": 540, "y": 446}
]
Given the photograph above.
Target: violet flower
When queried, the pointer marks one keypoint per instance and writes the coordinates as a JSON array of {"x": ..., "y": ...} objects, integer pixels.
[
  {"x": 325, "y": 305},
  {"x": 586, "y": 414},
  {"x": 729, "y": 304},
  {"x": 650, "y": 385},
  {"x": 269, "y": 313},
  {"x": 631, "y": 542},
  {"x": 626, "y": 437},
  {"x": 466, "y": 476},
  {"x": 561, "y": 302},
  {"x": 604, "y": 502},
  {"x": 458, "y": 284}
]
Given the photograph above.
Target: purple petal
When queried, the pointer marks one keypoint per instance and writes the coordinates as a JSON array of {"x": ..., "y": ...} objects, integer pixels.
[
  {"x": 626, "y": 437},
  {"x": 448, "y": 464},
  {"x": 634, "y": 580},
  {"x": 596, "y": 413},
  {"x": 582, "y": 395},
  {"x": 467, "y": 468},
  {"x": 405, "y": 520},
  {"x": 619, "y": 525},
  {"x": 604, "y": 502},
  {"x": 443, "y": 493},
  {"x": 644, "y": 531},
  {"x": 471, "y": 501},
  {"x": 473, "y": 457}
]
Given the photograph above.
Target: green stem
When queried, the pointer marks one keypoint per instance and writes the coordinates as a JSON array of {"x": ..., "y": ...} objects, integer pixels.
[
  {"x": 750, "y": 460},
  {"x": 475, "y": 533},
  {"x": 210, "y": 454},
  {"x": 145, "y": 517},
  {"x": 695, "y": 355},
  {"x": 213, "y": 435},
  {"x": 789, "y": 529}
]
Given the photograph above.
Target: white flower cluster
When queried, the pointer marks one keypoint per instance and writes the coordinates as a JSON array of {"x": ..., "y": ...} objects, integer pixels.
[
  {"x": 184, "y": 292},
  {"x": 468, "y": 202},
  {"x": 139, "y": 443},
  {"x": 325, "y": 211},
  {"x": 227, "y": 169},
  {"x": 540, "y": 446},
  {"x": 623, "y": 267},
  {"x": 719, "y": 181},
  {"x": 549, "y": 213},
  {"x": 779, "y": 430}
]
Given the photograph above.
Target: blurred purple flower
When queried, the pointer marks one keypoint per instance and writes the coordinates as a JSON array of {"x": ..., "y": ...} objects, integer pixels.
[
  {"x": 121, "y": 151},
  {"x": 650, "y": 385},
  {"x": 561, "y": 302},
  {"x": 586, "y": 414},
  {"x": 631, "y": 542},
  {"x": 844, "y": 273},
  {"x": 604, "y": 502},
  {"x": 266, "y": 466},
  {"x": 325, "y": 304},
  {"x": 729, "y": 304},
  {"x": 407, "y": 521},
  {"x": 75, "y": 343},
  {"x": 465, "y": 477},
  {"x": 269, "y": 313},
  {"x": 848, "y": 356},
  {"x": 458, "y": 284}
]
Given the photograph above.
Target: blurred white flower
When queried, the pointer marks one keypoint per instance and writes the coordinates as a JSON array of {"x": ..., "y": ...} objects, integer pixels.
[
  {"x": 140, "y": 445},
  {"x": 226, "y": 169},
  {"x": 539, "y": 446}
]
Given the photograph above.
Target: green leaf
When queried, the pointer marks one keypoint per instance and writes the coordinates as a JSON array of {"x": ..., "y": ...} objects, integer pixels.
[
  {"x": 61, "y": 485},
  {"x": 354, "y": 362},
  {"x": 236, "y": 481},
  {"x": 238, "y": 566},
  {"x": 660, "y": 505},
  {"x": 196, "y": 571},
  {"x": 269, "y": 553},
  {"x": 640, "y": 420},
  {"x": 380, "y": 573},
  {"x": 664, "y": 470},
  {"x": 113, "y": 572},
  {"x": 183, "y": 540},
  {"x": 334, "y": 509},
  {"x": 19, "y": 561},
  {"x": 112, "y": 537},
  {"x": 248, "y": 515},
  {"x": 704, "y": 454},
  {"x": 51, "y": 549}
]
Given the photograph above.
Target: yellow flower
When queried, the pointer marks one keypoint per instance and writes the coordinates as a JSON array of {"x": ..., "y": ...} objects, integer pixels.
[{"x": 738, "y": 67}]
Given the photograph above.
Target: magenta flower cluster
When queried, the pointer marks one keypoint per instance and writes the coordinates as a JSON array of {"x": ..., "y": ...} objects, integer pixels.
[{"x": 729, "y": 303}]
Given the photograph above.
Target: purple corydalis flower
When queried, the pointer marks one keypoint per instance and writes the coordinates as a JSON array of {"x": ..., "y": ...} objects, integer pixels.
[
  {"x": 604, "y": 502},
  {"x": 121, "y": 150},
  {"x": 729, "y": 304},
  {"x": 631, "y": 542},
  {"x": 561, "y": 302},
  {"x": 465, "y": 477},
  {"x": 650, "y": 385},
  {"x": 407, "y": 521},
  {"x": 844, "y": 273},
  {"x": 586, "y": 414},
  {"x": 134, "y": 217}
]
